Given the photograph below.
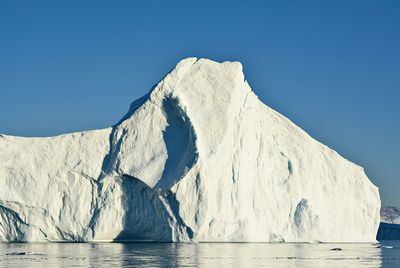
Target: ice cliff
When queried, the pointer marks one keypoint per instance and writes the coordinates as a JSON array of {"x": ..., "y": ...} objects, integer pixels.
[{"x": 199, "y": 158}]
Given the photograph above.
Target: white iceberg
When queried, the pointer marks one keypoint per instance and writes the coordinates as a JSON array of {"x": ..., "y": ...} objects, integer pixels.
[{"x": 199, "y": 158}]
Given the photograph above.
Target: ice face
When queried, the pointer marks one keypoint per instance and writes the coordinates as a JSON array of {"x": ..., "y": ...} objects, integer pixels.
[{"x": 199, "y": 158}]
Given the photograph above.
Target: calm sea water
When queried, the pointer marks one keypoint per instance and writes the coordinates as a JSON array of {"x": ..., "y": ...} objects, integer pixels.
[{"x": 385, "y": 254}]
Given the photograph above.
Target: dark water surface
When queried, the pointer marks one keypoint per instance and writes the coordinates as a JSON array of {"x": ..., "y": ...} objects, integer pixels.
[{"x": 385, "y": 254}]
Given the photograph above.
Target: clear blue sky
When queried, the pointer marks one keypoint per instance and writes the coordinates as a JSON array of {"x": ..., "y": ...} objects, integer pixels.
[{"x": 332, "y": 67}]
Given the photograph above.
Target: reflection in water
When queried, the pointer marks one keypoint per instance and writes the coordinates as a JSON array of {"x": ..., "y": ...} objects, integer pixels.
[{"x": 220, "y": 255}]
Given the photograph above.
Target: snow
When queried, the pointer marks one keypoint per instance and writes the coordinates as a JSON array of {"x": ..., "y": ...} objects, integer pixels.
[
  {"x": 390, "y": 215},
  {"x": 199, "y": 158}
]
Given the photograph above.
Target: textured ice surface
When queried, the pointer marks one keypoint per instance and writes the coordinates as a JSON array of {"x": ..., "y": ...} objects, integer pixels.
[{"x": 199, "y": 158}]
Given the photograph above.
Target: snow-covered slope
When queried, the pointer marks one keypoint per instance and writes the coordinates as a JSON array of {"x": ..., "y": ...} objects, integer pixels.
[
  {"x": 389, "y": 229},
  {"x": 199, "y": 158},
  {"x": 390, "y": 215}
]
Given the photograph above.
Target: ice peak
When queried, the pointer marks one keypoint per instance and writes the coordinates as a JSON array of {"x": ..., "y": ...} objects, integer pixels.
[
  {"x": 200, "y": 77},
  {"x": 195, "y": 82},
  {"x": 183, "y": 66}
]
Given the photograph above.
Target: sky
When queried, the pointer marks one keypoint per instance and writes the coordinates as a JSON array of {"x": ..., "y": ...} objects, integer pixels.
[{"x": 332, "y": 67}]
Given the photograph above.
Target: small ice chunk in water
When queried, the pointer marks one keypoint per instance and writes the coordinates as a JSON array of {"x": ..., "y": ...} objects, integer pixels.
[
  {"x": 19, "y": 253},
  {"x": 381, "y": 246}
]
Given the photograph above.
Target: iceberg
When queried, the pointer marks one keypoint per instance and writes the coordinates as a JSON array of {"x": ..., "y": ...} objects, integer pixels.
[
  {"x": 389, "y": 228},
  {"x": 198, "y": 159}
]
